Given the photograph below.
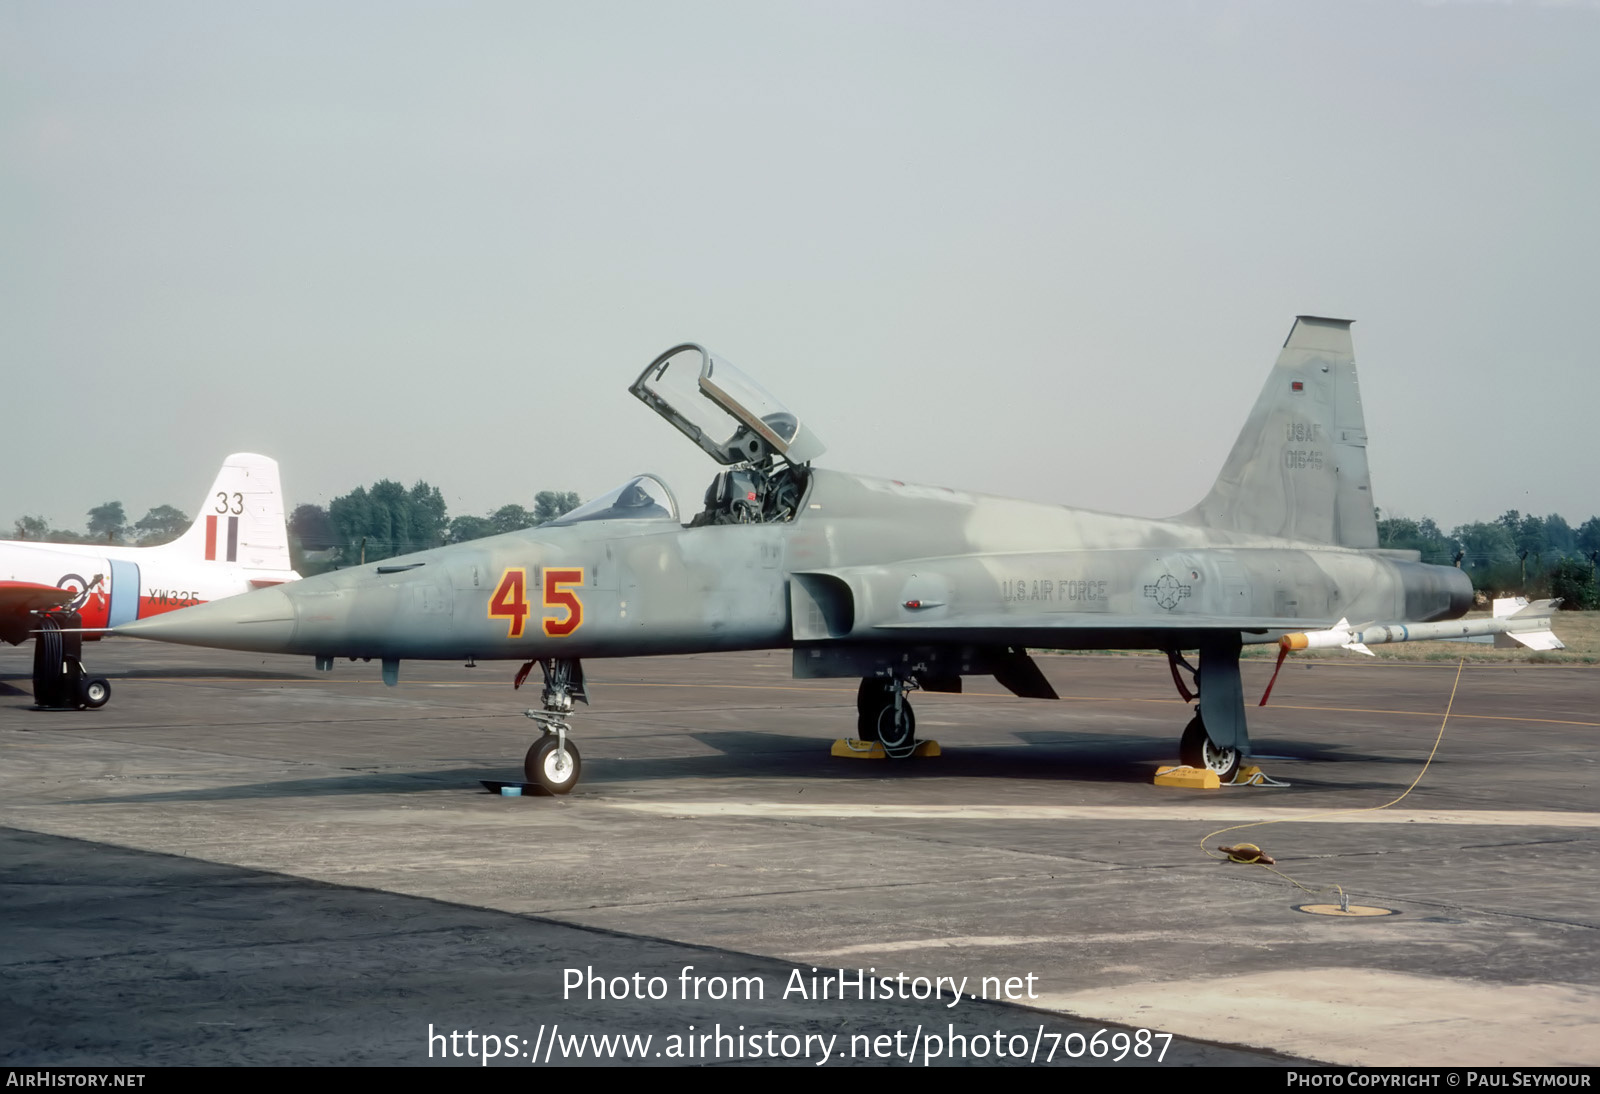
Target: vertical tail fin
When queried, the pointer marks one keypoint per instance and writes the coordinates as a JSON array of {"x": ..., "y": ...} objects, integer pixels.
[
  {"x": 1299, "y": 467},
  {"x": 241, "y": 520}
]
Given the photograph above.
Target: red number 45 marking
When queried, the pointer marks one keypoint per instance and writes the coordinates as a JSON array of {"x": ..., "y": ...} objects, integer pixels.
[
  {"x": 510, "y": 601},
  {"x": 555, "y": 596}
]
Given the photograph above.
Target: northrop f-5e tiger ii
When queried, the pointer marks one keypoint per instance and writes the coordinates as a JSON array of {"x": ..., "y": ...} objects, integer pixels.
[{"x": 899, "y": 586}]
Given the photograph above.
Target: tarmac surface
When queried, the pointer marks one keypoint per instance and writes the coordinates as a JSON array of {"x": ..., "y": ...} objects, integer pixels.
[{"x": 241, "y": 860}]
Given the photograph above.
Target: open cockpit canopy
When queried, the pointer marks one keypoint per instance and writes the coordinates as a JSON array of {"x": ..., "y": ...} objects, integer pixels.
[{"x": 733, "y": 418}]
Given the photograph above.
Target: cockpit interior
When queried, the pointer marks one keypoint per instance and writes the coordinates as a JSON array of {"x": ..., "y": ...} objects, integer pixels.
[{"x": 765, "y": 448}]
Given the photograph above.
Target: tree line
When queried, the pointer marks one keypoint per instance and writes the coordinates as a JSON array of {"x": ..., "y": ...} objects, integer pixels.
[
  {"x": 387, "y": 519},
  {"x": 1514, "y": 553},
  {"x": 108, "y": 523}
]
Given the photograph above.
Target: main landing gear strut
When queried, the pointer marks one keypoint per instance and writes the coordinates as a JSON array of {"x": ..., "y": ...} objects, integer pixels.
[
  {"x": 884, "y": 714},
  {"x": 553, "y": 761},
  {"x": 1216, "y": 738},
  {"x": 59, "y": 679}
]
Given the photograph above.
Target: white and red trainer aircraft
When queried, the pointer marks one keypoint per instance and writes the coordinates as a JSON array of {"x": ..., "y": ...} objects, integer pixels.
[{"x": 238, "y": 542}]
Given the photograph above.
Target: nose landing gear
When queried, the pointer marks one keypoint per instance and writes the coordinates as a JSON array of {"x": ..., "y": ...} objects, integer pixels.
[
  {"x": 553, "y": 762},
  {"x": 884, "y": 714}
]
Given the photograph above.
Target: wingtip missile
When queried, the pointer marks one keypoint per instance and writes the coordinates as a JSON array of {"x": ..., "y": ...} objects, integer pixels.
[
  {"x": 1338, "y": 636},
  {"x": 1516, "y": 622}
]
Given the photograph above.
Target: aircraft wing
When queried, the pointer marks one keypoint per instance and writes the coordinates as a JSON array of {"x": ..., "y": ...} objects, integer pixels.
[
  {"x": 20, "y": 598},
  {"x": 917, "y": 602},
  {"x": 1080, "y": 630}
]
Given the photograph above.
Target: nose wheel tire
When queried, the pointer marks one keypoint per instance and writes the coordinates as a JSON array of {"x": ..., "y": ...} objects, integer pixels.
[
  {"x": 1196, "y": 749},
  {"x": 551, "y": 767}
]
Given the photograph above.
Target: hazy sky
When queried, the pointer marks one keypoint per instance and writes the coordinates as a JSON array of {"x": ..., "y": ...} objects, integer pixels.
[{"x": 1048, "y": 250}]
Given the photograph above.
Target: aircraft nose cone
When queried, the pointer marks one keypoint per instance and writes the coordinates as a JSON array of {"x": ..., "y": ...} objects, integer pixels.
[{"x": 262, "y": 621}]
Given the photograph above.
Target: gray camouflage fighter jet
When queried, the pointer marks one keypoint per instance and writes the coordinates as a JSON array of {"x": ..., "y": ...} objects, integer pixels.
[{"x": 901, "y": 586}]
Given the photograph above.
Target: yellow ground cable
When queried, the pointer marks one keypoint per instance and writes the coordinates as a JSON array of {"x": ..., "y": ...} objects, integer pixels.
[{"x": 1332, "y": 813}]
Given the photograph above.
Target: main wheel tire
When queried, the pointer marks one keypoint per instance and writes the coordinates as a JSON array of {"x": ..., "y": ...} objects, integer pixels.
[
  {"x": 898, "y": 736},
  {"x": 547, "y": 767},
  {"x": 1197, "y": 749},
  {"x": 874, "y": 694},
  {"x": 94, "y": 692},
  {"x": 48, "y": 677}
]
